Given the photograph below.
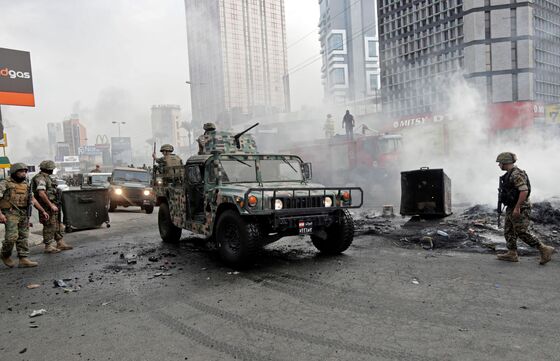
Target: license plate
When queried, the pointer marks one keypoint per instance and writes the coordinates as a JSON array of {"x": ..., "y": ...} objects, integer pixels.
[{"x": 305, "y": 227}]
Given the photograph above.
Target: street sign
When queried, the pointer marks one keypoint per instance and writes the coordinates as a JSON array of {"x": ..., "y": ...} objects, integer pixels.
[
  {"x": 16, "y": 79},
  {"x": 4, "y": 141},
  {"x": 4, "y": 162},
  {"x": 71, "y": 159}
]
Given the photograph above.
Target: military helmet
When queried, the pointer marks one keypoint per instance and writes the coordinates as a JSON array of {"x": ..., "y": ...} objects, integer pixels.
[
  {"x": 506, "y": 158},
  {"x": 17, "y": 167},
  {"x": 209, "y": 126},
  {"x": 166, "y": 147},
  {"x": 47, "y": 164}
]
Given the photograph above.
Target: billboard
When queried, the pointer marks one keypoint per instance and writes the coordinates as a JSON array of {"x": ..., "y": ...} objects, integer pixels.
[
  {"x": 121, "y": 151},
  {"x": 16, "y": 79}
]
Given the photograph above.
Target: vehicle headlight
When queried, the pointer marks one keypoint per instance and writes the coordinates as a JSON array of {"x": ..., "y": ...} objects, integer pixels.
[
  {"x": 327, "y": 202},
  {"x": 118, "y": 191},
  {"x": 146, "y": 192},
  {"x": 278, "y": 204}
]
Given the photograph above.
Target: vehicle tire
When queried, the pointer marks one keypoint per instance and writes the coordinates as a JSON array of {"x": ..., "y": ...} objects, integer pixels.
[
  {"x": 112, "y": 207},
  {"x": 339, "y": 235},
  {"x": 167, "y": 230},
  {"x": 238, "y": 241},
  {"x": 149, "y": 209}
]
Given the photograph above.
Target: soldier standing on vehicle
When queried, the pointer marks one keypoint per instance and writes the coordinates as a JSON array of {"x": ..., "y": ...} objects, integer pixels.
[
  {"x": 97, "y": 169},
  {"x": 209, "y": 131},
  {"x": 514, "y": 192},
  {"x": 44, "y": 190},
  {"x": 348, "y": 124},
  {"x": 329, "y": 127},
  {"x": 168, "y": 159},
  {"x": 15, "y": 202}
]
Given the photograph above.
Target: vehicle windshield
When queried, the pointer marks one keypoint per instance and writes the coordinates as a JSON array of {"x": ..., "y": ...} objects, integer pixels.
[
  {"x": 281, "y": 170},
  {"x": 99, "y": 179},
  {"x": 131, "y": 176},
  {"x": 239, "y": 170}
]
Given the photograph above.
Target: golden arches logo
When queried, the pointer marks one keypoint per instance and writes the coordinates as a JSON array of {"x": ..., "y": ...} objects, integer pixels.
[{"x": 101, "y": 139}]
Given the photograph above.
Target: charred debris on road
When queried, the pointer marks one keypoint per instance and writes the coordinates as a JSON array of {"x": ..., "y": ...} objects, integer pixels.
[{"x": 473, "y": 228}]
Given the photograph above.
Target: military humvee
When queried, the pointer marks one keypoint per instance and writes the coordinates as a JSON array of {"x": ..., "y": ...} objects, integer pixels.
[{"x": 242, "y": 200}]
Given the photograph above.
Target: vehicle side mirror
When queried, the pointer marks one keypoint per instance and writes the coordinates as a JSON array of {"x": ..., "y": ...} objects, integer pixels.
[{"x": 307, "y": 171}]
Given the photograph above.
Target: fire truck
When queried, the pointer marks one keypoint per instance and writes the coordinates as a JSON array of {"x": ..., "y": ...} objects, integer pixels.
[{"x": 368, "y": 161}]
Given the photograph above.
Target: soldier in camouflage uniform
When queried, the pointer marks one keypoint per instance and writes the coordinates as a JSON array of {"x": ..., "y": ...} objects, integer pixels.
[
  {"x": 14, "y": 207},
  {"x": 209, "y": 132},
  {"x": 167, "y": 160},
  {"x": 515, "y": 189},
  {"x": 44, "y": 190}
]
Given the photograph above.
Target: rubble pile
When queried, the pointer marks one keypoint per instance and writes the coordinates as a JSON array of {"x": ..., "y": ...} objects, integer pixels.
[{"x": 471, "y": 229}]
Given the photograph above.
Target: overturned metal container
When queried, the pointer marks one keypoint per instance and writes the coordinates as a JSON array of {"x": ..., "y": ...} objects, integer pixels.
[
  {"x": 85, "y": 208},
  {"x": 426, "y": 193}
]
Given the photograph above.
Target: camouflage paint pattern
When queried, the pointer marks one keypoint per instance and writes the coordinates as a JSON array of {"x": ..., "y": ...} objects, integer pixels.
[
  {"x": 518, "y": 228},
  {"x": 17, "y": 233},
  {"x": 224, "y": 142},
  {"x": 174, "y": 192}
]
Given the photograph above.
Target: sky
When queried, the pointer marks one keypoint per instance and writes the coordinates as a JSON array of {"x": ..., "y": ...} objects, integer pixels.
[{"x": 111, "y": 60}]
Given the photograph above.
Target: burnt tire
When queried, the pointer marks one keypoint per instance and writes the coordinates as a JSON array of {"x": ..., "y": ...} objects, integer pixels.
[
  {"x": 168, "y": 232},
  {"x": 339, "y": 235},
  {"x": 237, "y": 240},
  {"x": 149, "y": 209}
]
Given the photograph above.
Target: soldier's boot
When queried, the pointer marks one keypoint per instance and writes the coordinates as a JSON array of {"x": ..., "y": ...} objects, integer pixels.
[
  {"x": 546, "y": 253},
  {"x": 8, "y": 261},
  {"x": 510, "y": 256},
  {"x": 50, "y": 248},
  {"x": 25, "y": 262},
  {"x": 63, "y": 246}
]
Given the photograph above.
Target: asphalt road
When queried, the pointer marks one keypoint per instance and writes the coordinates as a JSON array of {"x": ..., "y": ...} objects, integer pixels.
[{"x": 375, "y": 302}]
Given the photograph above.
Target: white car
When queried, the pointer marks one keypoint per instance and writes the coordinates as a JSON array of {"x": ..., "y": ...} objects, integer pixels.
[{"x": 61, "y": 185}]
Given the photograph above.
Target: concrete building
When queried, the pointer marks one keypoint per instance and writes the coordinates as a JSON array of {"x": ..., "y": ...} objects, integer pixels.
[
  {"x": 508, "y": 49},
  {"x": 165, "y": 122},
  {"x": 55, "y": 134},
  {"x": 237, "y": 59},
  {"x": 350, "y": 51},
  {"x": 75, "y": 133}
]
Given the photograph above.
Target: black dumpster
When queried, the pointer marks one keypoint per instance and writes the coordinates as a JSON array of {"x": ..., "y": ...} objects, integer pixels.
[
  {"x": 425, "y": 193},
  {"x": 85, "y": 208}
]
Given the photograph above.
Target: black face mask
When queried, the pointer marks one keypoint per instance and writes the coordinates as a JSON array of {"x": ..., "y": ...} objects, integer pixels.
[
  {"x": 17, "y": 179},
  {"x": 48, "y": 171}
]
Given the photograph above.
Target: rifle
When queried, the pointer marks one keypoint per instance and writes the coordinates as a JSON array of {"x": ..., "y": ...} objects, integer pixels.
[
  {"x": 500, "y": 205},
  {"x": 238, "y": 135},
  {"x": 154, "y": 166},
  {"x": 29, "y": 200}
]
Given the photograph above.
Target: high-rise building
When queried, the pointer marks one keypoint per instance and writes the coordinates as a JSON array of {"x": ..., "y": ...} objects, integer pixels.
[
  {"x": 75, "y": 134},
  {"x": 350, "y": 51},
  {"x": 507, "y": 49},
  {"x": 55, "y": 134},
  {"x": 165, "y": 122},
  {"x": 237, "y": 59}
]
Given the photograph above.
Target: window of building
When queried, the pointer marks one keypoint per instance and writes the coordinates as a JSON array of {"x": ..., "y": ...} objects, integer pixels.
[
  {"x": 337, "y": 42},
  {"x": 371, "y": 48},
  {"x": 338, "y": 76}
]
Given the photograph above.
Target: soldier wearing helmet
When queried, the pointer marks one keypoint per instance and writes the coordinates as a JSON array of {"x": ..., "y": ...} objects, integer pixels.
[
  {"x": 44, "y": 190},
  {"x": 15, "y": 200},
  {"x": 514, "y": 192},
  {"x": 203, "y": 140},
  {"x": 167, "y": 160}
]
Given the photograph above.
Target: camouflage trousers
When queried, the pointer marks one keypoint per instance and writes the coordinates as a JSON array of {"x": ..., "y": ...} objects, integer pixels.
[
  {"x": 518, "y": 228},
  {"x": 52, "y": 228},
  {"x": 17, "y": 233}
]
